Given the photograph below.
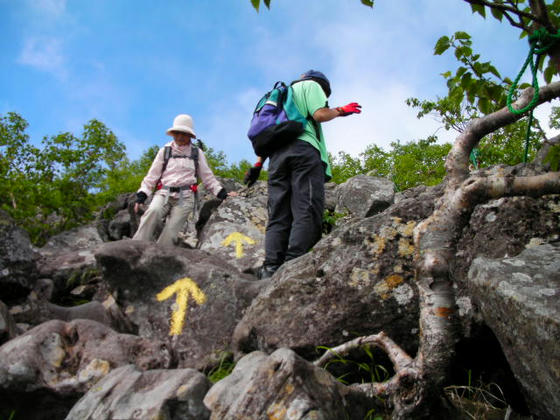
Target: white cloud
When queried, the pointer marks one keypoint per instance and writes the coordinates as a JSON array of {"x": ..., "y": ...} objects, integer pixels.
[
  {"x": 45, "y": 54},
  {"x": 385, "y": 118}
]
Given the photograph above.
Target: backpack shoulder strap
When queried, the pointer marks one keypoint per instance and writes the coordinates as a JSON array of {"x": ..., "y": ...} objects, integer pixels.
[
  {"x": 166, "y": 157},
  {"x": 194, "y": 157}
]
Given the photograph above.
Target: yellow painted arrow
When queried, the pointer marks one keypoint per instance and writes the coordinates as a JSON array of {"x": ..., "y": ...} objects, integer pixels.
[
  {"x": 238, "y": 239},
  {"x": 182, "y": 287}
]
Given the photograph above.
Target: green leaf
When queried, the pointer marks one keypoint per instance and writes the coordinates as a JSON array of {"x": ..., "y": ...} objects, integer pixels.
[
  {"x": 462, "y": 35},
  {"x": 484, "y": 105},
  {"x": 442, "y": 45},
  {"x": 463, "y": 52},
  {"x": 460, "y": 71},
  {"x": 368, "y": 3},
  {"x": 446, "y": 75},
  {"x": 466, "y": 81},
  {"x": 498, "y": 14},
  {"x": 479, "y": 8},
  {"x": 494, "y": 71},
  {"x": 549, "y": 72},
  {"x": 256, "y": 4}
]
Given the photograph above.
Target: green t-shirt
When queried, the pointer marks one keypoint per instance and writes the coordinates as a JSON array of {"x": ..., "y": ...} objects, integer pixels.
[{"x": 309, "y": 97}]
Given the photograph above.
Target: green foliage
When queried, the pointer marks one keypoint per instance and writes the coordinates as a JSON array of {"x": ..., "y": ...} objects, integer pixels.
[
  {"x": 52, "y": 189},
  {"x": 224, "y": 368},
  {"x": 507, "y": 145},
  {"x": 553, "y": 158},
  {"x": 407, "y": 165},
  {"x": 519, "y": 14},
  {"x": 475, "y": 88},
  {"x": 416, "y": 163},
  {"x": 330, "y": 219},
  {"x": 344, "y": 166},
  {"x": 373, "y": 372},
  {"x": 220, "y": 167},
  {"x": 480, "y": 401}
]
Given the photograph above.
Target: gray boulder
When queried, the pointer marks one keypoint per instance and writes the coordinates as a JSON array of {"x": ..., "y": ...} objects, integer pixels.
[
  {"x": 128, "y": 393},
  {"x": 36, "y": 311},
  {"x": 114, "y": 221},
  {"x": 44, "y": 371},
  {"x": 7, "y": 324},
  {"x": 518, "y": 299},
  {"x": 18, "y": 270},
  {"x": 161, "y": 289},
  {"x": 281, "y": 386},
  {"x": 357, "y": 281},
  {"x": 70, "y": 357},
  {"x": 364, "y": 196},
  {"x": 68, "y": 258},
  {"x": 235, "y": 231}
]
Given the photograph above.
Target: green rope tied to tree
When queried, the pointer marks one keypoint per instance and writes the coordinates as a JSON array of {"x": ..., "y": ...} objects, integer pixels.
[
  {"x": 475, "y": 153},
  {"x": 541, "y": 41}
]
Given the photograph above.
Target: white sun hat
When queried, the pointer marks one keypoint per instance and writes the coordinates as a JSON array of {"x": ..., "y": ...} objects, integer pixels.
[{"x": 183, "y": 123}]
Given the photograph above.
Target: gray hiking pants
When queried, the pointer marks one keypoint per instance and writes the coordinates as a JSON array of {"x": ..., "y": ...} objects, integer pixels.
[
  {"x": 160, "y": 207},
  {"x": 296, "y": 200}
]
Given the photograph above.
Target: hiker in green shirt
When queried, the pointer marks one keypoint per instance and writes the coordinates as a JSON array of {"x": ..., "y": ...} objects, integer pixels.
[{"x": 297, "y": 172}]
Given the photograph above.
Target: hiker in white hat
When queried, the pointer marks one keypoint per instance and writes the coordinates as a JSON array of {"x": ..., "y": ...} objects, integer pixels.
[{"x": 174, "y": 176}]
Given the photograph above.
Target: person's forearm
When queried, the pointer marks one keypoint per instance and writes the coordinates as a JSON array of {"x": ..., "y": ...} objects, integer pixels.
[{"x": 325, "y": 114}]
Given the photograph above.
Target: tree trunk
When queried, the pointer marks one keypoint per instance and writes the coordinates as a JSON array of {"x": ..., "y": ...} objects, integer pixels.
[{"x": 416, "y": 389}]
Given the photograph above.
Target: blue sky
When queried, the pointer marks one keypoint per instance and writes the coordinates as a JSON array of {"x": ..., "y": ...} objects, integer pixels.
[{"x": 134, "y": 65}]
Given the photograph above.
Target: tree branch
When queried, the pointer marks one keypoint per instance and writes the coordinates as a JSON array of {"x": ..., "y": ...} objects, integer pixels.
[
  {"x": 506, "y": 8},
  {"x": 458, "y": 158},
  {"x": 398, "y": 356},
  {"x": 479, "y": 189}
]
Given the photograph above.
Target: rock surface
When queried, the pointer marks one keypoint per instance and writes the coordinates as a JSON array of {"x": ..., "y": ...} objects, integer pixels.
[
  {"x": 518, "y": 298},
  {"x": 128, "y": 393}
]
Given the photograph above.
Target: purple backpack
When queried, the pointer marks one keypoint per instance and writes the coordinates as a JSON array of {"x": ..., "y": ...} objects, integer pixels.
[{"x": 276, "y": 120}]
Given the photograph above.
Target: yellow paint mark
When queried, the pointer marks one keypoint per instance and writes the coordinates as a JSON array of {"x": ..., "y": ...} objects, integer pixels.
[
  {"x": 182, "y": 287},
  {"x": 237, "y": 238}
]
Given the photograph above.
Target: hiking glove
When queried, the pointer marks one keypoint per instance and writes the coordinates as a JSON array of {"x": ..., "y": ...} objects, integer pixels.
[
  {"x": 222, "y": 195},
  {"x": 252, "y": 174},
  {"x": 351, "y": 108},
  {"x": 141, "y": 197}
]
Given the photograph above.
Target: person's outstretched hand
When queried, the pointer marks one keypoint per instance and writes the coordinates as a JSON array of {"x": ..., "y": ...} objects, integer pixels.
[
  {"x": 351, "y": 108},
  {"x": 252, "y": 174}
]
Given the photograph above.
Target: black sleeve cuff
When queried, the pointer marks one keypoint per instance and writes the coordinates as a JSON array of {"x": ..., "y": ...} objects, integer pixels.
[
  {"x": 141, "y": 197},
  {"x": 222, "y": 195}
]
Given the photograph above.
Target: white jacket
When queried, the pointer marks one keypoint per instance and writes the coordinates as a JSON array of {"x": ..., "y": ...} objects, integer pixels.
[{"x": 179, "y": 172}]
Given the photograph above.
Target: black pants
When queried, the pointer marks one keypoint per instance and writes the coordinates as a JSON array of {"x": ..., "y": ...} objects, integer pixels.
[{"x": 296, "y": 200}]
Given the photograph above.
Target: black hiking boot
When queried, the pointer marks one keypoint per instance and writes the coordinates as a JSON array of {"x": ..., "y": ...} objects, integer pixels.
[{"x": 266, "y": 271}]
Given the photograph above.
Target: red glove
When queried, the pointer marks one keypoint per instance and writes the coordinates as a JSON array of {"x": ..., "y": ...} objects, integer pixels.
[{"x": 351, "y": 108}]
